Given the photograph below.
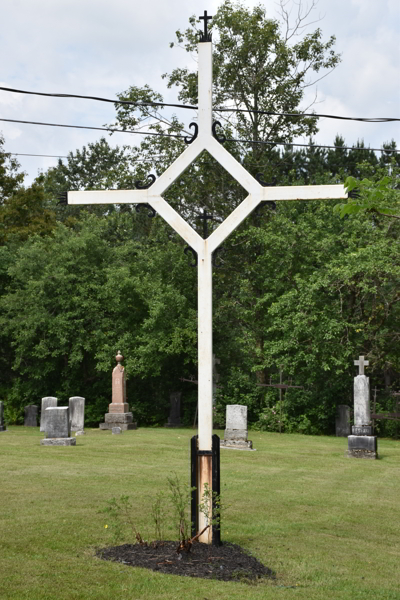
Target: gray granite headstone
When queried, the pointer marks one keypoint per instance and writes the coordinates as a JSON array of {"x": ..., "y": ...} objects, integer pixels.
[
  {"x": 343, "y": 420},
  {"x": 77, "y": 413},
  {"x": 2, "y": 424},
  {"x": 116, "y": 430},
  {"x": 46, "y": 402},
  {"x": 174, "y": 419},
  {"x": 58, "y": 427},
  {"x": 236, "y": 428},
  {"x": 31, "y": 415}
]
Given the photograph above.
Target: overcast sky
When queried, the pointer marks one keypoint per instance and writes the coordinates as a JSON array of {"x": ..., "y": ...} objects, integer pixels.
[{"x": 98, "y": 47}]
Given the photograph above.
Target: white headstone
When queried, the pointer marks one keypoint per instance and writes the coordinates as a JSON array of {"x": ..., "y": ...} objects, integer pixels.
[
  {"x": 77, "y": 413},
  {"x": 58, "y": 427},
  {"x": 46, "y": 402},
  {"x": 236, "y": 428}
]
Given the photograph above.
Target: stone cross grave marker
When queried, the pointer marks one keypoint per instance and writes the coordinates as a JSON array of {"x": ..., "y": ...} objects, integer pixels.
[
  {"x": 362, "y": 443},
  {"x": 361, "y": 363},
  {"x": 58, "y": 427},
  {"x": 46, "y": 402},
  {"x": 204, "y": 139}
]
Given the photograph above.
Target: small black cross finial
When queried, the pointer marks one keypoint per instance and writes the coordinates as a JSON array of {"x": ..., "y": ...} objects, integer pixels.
[
  {"x": 205, "y": 217},
  {"x": 205, "y": 36}
]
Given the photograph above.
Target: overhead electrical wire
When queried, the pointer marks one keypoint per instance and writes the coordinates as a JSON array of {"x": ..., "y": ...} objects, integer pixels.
[
  {"x": 188, "y": 106},
  {"x": 110, "y": 129},
  {"x": 71, "y": 156},
  {"x": 178, "y": 136},
  {"x": 43, "y": 155}
]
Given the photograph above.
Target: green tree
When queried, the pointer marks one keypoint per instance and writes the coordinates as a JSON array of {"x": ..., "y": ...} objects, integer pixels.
[
  {"x": 379, "y": 197},
  {"x": 257, "y": 67},
  {"x": 75, "y": 298}
]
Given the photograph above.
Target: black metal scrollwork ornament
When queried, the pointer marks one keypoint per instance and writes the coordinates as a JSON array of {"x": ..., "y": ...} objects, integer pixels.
[
  {"x": 220, "y": 138},
  {"x": 152, "y": 213},
  {"x": 143, "y": 186},
  {"x": 188, "y": 249},
  {"x": 216, "y": 260},
  {"x": 62, "y": 199},
  {"x": 189, "y": 140}
]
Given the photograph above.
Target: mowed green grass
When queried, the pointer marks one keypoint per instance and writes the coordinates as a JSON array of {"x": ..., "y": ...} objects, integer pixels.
[{"x": 328, "y": 525}]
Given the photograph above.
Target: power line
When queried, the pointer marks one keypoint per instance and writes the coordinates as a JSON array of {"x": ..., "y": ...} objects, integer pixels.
[
  {"x": 191, "y": 107},
  {"x": 109, "y": 129},
  {"x": 311, "y": 145},
  {"x": 266, "y": 112},
  {"x": 44, "y": 155},
  {"x": 178, "y": 136},
  {"x": 144, "y": 159}
]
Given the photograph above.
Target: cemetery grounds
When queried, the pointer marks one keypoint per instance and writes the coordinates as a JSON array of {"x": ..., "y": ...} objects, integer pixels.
[{"x": 327, "y": 525}]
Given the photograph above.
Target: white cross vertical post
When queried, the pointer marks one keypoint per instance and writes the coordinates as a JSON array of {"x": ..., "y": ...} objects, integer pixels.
[{"x": 205, "y": 248}]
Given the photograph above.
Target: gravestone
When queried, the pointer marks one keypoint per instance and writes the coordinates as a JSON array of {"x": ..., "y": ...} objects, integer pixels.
[
  {"x": 46, "y": 402},
  {"x": 31, "y": 415},
  {"x": 236, "y": 428},
  {"x": 116, "y": 430},
  {"x": 343, "y": 421},
  {"x": 118, "y": 411},
  {"x": 77, "y": 413},
  {"x": 362, "y": 444},
  {"x": 174, "y": 419},
  {"x": 58, "y": 427},
  {"x": 2, "y": 424}
]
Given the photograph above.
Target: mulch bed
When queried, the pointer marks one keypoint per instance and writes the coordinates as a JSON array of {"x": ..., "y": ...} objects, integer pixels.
[{"x": 228, "y": 562}]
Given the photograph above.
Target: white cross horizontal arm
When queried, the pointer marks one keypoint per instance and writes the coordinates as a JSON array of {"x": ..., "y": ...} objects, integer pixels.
[
  {"x": 304, "y": 192},
  {"x": 146, "y": 196},
  {"x": 109, "y": 197}
]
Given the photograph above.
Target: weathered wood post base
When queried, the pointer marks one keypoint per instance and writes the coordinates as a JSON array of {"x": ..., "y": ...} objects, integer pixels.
[{"x": 205, "y": 468}]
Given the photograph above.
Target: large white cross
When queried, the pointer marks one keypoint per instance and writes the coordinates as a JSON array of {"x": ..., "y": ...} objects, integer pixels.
[{"x": 205, "y": 248}]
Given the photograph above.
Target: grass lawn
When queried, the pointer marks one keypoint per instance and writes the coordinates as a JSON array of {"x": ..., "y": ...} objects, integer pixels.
[{"x": 328, "y": 525}]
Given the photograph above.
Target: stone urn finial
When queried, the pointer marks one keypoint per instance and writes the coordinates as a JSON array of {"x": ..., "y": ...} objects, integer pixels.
[{"x": 119, "y": 357}]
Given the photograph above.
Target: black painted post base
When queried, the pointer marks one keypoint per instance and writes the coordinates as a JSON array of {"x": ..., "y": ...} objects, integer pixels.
[{"x": 195, "y": 454}]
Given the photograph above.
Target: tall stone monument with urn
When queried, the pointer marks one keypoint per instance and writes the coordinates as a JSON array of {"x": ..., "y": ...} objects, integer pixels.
[{"x": 118, "y": 411}]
